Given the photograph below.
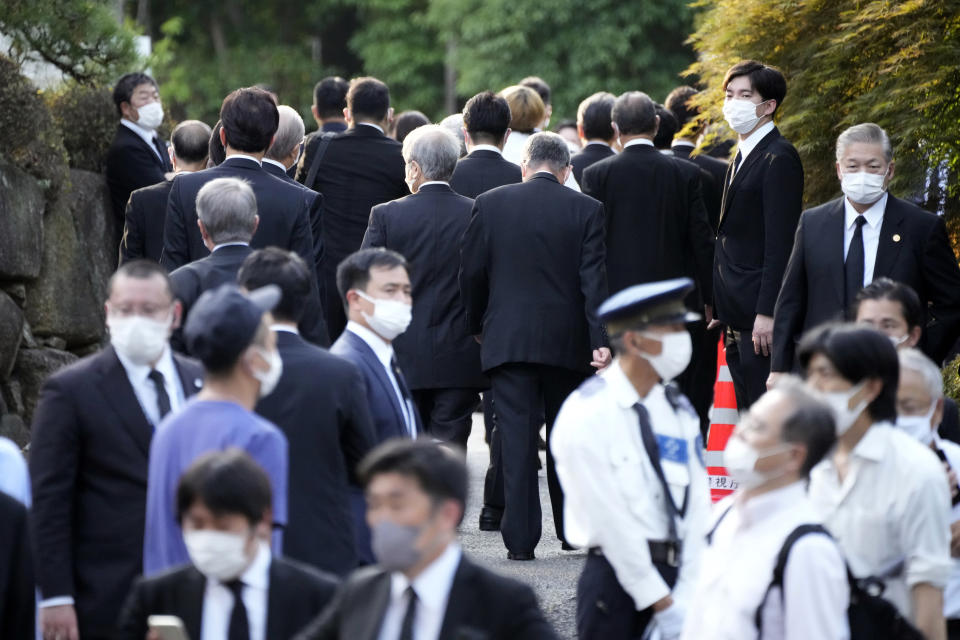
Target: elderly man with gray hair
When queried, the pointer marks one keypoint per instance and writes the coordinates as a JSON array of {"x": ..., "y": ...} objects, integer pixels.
[
  {"x": 531, "y": 278},
  {"x": 439, "y": 358},
  {"x": 868, "y": 233}
]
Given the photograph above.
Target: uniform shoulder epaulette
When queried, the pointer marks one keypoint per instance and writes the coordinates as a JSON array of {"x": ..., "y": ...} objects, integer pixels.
[
  {"x": 592, "y": 385},
  {"x": 678, "y": 401}
]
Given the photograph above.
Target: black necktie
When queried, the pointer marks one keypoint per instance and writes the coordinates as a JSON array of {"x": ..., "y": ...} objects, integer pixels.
[
  {"x": 239, "y": 625},
  {"x": 406, "y": 629},
  {"x": 736, "y": 164},
  {"x": 163, "y": 400},
  {"x": 853, "y": 266},
  {"x": 653, "y": 452},
  {"x": 162, "y": 150},
  {"x": 404, "y": 391}
]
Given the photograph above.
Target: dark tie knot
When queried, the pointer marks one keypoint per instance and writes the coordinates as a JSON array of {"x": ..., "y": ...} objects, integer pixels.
[
  {"x": 860, "y": 220},
  {"x": 235, "y": 586},
  {"x": 156, "y": 376}
]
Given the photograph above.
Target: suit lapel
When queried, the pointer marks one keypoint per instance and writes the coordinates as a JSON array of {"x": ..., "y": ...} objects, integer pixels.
[
  {"x": 365, "y": 625},
  {"x": 119, "y": 395},
  {"x": 191, "y": 384},
  {"x": 191, "y": 602},
  {"x": 275, "y": 603},
  {"x": 460, "y": 601},
  {"x": 890, "y": 239},
  {"x": 832, "y": 234},
  {"x": 752, "y": 159},
  {"x": 380, "y": 373}
]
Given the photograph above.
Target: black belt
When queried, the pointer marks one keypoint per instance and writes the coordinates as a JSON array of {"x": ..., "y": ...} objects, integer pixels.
[{"x": 661, "y": 552}]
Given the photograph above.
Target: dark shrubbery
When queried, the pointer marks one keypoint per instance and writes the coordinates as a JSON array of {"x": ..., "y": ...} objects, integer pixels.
[{"x": 87, "y": 119}]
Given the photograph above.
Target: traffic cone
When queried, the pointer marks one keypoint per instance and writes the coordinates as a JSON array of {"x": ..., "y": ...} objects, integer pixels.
[{"x": 723, "y": 418}]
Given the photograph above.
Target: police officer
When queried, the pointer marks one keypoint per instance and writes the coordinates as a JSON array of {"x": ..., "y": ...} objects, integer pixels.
[{"x": 630, "y": 459}]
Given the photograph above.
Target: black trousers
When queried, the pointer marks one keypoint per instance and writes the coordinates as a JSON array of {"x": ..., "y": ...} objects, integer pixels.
[
  {"x": 604, "y": 609},
  {"x": 525, "y": 394},
  {"x": 493, "y": 481},
  {"x": 332, "y": 304},
  {"x": 446, "y": 414},
  {"x": 953, "y": 628},
  {"x": 748, "y": 369}
]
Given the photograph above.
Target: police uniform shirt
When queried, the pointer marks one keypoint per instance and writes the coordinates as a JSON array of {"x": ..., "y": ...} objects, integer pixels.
[
  {"x": 951, "y": 595},
  {"x": 613, "y": 499}
]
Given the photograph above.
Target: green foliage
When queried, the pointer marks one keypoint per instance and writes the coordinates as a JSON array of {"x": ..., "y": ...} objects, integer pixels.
[
  {"x": 951, "y": 379},
  {"x": 87, "y": 118}
]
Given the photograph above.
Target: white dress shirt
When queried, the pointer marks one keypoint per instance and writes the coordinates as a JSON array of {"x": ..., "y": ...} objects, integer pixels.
[
  {"x": 598, "y": 142},
  {"x": 612, "y": 496},
  {"x": 636, "y": 141},
  {"x": 951, "y": 594},
  {"x": 14, "y": 477},
  {"x": 893, "y": 506},
  {"x": 738, "y": 565},
  {"x": 370, "y": 124},
  {"x": 751, "y": 142},
  {"x": 432, "y": 587},
  {"x": 218, "y": 600},
  {"x": 486, "y": 147},
  {"x": 245, "y": 157},
  {"x": 513, "y": 151},
  {"x": 146, "y": 391},
  {"x": 385, "y": 354},
  {"x": 871, "y": 233},
  {"x": 682, "y": 143},
  {"x": 147, "y": 135},
  {"x": 275, "y": 163}
]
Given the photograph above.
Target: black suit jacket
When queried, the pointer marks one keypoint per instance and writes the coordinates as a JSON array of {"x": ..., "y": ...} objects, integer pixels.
[
  {"x": 143, "y": 223},
  {"x": 758, "y": 218},
  {"x": 436, "y": 350},
  {"x": 656, "y": 225},
  {"x": 88, "y": 467},
  {"x": 132, "y": 164},
  {"x": 481, "y": 171},
  {"x": 914, "y": 249},
  {"x": 316, "y": 214},
  {"x": 532, "y": 274},
  {"x": 295, "y": 594},
  {"x": 592, "y": 153},
  {"x": 284, "y": 211},
  {"x": 482, "y": 606},
  {"x": 17, "y": 602},
  {"x": 713, "y": 181},
  {"x": 320, "y": 406}
]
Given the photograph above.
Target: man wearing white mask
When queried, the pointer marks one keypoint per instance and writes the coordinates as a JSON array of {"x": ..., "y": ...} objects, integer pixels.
[
  {"x": 229, "y": 331},
  {"x": 882, "y": 495},
  {"x": 629, "y": 457},
  {"x": 90, "y": 444},
  {"x": 867, "y": 234},
  {"x": 787, "y": 431},
  {"x": 234, "y": 587}
]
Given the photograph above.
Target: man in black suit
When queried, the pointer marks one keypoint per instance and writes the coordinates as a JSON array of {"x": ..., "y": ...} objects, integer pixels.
[
  {"x": 532, "y": 276},
  {"x": 147, "y": 208},
  {"x": 486, "y": 125},
  {"x": 89, "y": 454},
  {"x": 440, "y": 359},
  {"x": 137, "y": 157},
  {"x": 234, "y": 587},
  {"x": 354, "y": 171},
  {"x": 867, "y": 234},
  {"x": 320, "y": 406},
  {"x": 249, "y": 120},
  {"x": 18, "y": 607},
  {"x": 329, "y": 101},
  {"x": 424, "y": 586},
  {"x": 595, "y": 130},
  {"x": 759, "y": 213}
]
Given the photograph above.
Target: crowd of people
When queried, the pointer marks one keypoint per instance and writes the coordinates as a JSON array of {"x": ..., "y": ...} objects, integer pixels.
[{"x": 301, "y": 328}]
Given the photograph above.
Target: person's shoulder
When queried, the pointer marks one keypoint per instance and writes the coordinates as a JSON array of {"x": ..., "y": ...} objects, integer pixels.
[
  {"x": 912, "y": 212},
  {"x": 494, "y": 586},
  {"x": 912, "y": 460},
  {"x": 77, "y": 373},
  {"x": 168, "y": 579},
  {"x": 779, "y": 145},
  {"x": 824, "y": 209}
]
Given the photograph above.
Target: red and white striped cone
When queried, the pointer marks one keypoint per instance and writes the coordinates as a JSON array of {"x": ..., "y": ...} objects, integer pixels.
[{"x": 723, "y": 418}]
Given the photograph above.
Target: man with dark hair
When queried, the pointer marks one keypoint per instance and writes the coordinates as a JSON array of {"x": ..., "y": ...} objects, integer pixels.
[
  {"x": 880, "y": 492},
  {"x": 215, "y": 151},
  {"x": 234, "y": 587},
  {"x": 532, "y": 305},
  {"x": 137, "y": 157},
  {"x": 329, "y": 101},
  {"x": 770, "y": 455},
  {"x": 249, "y": 120},
  {"x": 424, "y": 587},
  {"x": 229, "y": 332},
  {"x": 594, "y": 126},
  {"x": 486, "y": 126},
  {"x": 867, "y": 233},
  {"x": 146, "y": 209},
  {"x": 666, "y": 128},
  {"x": 759, "y": 213},
  {"x": 543, "y": 90},
  {"x": 354, "y": 170},
  {"x": 90, "y": 443},
  {"x": 441, "y": 360},
  {"x": 320, "y": 405}
]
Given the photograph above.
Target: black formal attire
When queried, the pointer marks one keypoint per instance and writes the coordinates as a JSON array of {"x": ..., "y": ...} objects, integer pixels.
[
  {"x": 713, "y": 187},
  {"x": 759, "y": 215},
  {"x": 333, "y": 127},
  {"x": 914, "y": 249},
  {"x": 532, "y": 276},
  {"x": 283, "y": 208},
  {"x": 592, "y": 153},
  {"x": 360, "y": 168},
  {"x": 88, "y": 467},
  {"x": 17, "y": 603},
  {"x": 221, "y": 267},
  {"x": 483, "y": 170},
  {"x": 320, "y": 406},
  {"x": 316, "y": 216},
  {"x": 132, "y": 164},
  {"x": 481, "y": 604},
  {"x": 439, "y": 357},
  {"x": 294, "y": 595},
  {"x": 143, "y": 223}
]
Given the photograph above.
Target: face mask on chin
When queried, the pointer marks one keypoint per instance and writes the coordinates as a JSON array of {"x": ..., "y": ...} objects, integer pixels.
[{"x": 140, "y": 339}]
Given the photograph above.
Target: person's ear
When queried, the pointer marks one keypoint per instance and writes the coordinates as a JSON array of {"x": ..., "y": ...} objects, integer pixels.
[
  {"x": 839, "y": 172},
  {"x": 256, "y": 223},
  {"x": 390, "y": 115},
  {"x": 797, "y": 456},
  {"x": 129, "y": 111},
  {"x": 769, "y": 107},
  {"x": 506, "y": 135},
  {"x": 316, "y": 114},
  {"x": 656, "y": 125},
  {"x": 580, "y": 133},
  {"x": 616, "y": 130},
  {"x": 890, "y": 169},
  {"x": 223, "y": 137},
  {"x": 177, "y": 314},
  {"x": 938, "y": 412},
  {"x": 347, "y": 115},
  {"x": 914, "y": 336},
  {"x": 204, "y": 235}
]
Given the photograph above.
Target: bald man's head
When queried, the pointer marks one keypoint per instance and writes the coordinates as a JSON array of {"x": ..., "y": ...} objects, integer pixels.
[{"x": 190, "y": 143}]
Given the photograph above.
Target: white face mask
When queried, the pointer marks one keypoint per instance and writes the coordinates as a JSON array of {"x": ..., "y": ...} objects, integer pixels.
[
  {"x": 839, "y": 401},
  {"x": 390, "y": 317},
  {"x": 741, "y": 115},
  {"x": 740, "y": 460},
  {"x": 269, "y": 378},
  {"x": 150, "y": 115},
  {"x": 919, "y": 427},
  {"x": 217, "y": 554},
  {"x": 674, "y": 356},
  {"x": 141, "y": 340},
  {"x": 862, "y": 187}
]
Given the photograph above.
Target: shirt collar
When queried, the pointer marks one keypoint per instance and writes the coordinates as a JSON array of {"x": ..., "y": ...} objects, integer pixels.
[
  {"x": 625, "y": 393},
  {"x": 230, "y": 244},
  {"x": 147, "y": 134},
  {"x": 637, "y": 141},
  {"x": 486, "y": 147},
  {"x": 245, "y": 157},
  {"x": 286, "y": 328},
  {"x": 429, "y": 182},
  {"x": 370, "y": 124},
  {"x": 433, "y": 584},
  {"x": 381, "y": 348},
  {"x": 682, "y": 143},
  {"x": 748, "y": 145},
  {"x": 275, "y": 163},
  {"x": 874, "y": 214},
  {"x": 597, "y": 142},
  {"x": 871, "y": 443},
  {"x": 769, "y": 505},
  {"x": 141, "y": 371}
]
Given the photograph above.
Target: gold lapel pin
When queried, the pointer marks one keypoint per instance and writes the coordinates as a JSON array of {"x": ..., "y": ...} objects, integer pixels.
[{"x": 896, "y": 237}]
